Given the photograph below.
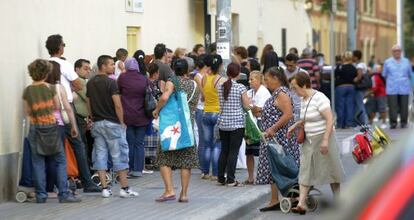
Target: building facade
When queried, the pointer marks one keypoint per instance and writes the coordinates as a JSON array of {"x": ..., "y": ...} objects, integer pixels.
[
  {"x": 376, "y": 28},
  {"x": 94, "y": 27}
]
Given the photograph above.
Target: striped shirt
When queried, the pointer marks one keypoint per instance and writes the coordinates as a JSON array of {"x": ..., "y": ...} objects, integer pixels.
[
  {"x": 231, "y": 110},
  {"x": 315, "y": 124},
  {"x": 312, "y": 68}
]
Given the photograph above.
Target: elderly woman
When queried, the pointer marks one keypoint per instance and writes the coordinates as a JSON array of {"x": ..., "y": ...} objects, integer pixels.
[
  {"x": 319, "y": 157},
  {"x": 277, "y": 116},
  {"x": 185, "y": 159}
]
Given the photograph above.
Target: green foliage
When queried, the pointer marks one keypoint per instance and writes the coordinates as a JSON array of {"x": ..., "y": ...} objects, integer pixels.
[
  {"x": 409, "y": 28},
  {"x": 326, "y": 6}
]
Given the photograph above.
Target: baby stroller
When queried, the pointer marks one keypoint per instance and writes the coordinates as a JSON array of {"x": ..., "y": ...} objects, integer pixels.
[
  {"x": 368, "y": 143},
  {"x": 285, "y": 175},
  {"x": 71, "y": 168},
  {"x": 25, "y": 187}
]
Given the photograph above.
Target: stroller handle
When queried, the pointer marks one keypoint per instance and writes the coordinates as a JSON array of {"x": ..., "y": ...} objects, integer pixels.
[{"x": 356, "y": 118}]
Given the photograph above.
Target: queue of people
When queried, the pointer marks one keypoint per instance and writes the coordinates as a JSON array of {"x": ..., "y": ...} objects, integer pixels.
[{"x": 108, "y": 117}]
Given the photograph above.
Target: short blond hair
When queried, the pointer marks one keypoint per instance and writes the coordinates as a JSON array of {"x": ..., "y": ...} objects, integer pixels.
[
  {"x": 258, "y": 76},
  {"x": 348, "y": 56}
]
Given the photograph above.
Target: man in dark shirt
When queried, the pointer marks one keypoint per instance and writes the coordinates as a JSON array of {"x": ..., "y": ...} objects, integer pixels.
[
  {"x": 105, "y": 108},
  {"x": 160, "y": 54}
]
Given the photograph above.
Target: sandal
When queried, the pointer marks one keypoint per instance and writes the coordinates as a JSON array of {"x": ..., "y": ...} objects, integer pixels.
[
  {"x": 235, "y": 184},
  {"x": 247, "y": 182},
  {"x": 165, "y": 198}
]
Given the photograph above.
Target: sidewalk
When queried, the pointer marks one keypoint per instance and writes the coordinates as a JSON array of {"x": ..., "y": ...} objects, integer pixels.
[{"x": 206, "y": 201}]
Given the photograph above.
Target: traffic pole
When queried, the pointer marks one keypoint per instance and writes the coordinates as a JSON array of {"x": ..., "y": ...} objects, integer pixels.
[
  {"x": 332, "y": 51},
  {"x": 224, "y": 32}
]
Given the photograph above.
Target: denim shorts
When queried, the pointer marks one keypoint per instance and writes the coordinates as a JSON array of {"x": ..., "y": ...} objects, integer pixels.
[{"x": 110, "y": 140}]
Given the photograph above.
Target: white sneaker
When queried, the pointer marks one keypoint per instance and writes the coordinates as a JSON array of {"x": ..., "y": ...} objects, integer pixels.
[
  {"x": 128, "y": 193},
  {"x": 383, "y": 126},
  {"x": 106, "y": 193}
]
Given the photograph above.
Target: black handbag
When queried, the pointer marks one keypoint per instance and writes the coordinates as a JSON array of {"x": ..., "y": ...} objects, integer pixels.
[
  {"x": 149, "y": 101},
  {"x": 48, "y": 140},
  {"x": 364, "y": 83}
]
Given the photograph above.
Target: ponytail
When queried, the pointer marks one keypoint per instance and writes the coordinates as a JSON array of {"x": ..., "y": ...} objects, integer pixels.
[{"x": 226, "y": 88}]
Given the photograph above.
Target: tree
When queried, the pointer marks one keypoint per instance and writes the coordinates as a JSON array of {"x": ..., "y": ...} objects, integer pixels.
[{"x": 409, "y": 28}]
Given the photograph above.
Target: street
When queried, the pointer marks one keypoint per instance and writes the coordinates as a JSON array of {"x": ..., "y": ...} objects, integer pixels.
[{"x": 207, "y": 200}]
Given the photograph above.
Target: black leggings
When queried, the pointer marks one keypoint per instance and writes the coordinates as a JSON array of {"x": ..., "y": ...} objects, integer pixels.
[{"x": 230, "y": 146}]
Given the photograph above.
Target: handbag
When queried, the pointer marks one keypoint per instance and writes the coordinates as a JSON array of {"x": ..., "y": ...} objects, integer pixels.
[
  {"x": 149, "y": 101},
  {"x": 175, "y": 125},
  {"x": 48, "y": 140},
  {"x": 252, "y": 134},
  {"x": 301, "y": 133},
  {"x": 364, "y": 83},
  {"x": 64, "y": 113}
]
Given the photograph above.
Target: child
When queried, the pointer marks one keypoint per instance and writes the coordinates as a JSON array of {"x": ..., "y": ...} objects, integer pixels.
[
  {"x": 377, "y": 102},
  {"x": 121, "y": 55}
]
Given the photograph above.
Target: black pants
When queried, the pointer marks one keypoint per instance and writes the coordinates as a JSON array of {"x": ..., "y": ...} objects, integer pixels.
[
  {"x": 230, "y": 146},
  {"x": 398, "y": 104}
]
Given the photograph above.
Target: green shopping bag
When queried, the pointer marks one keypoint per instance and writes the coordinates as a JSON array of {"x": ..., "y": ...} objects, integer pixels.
[{"x": 252, "y": 133}]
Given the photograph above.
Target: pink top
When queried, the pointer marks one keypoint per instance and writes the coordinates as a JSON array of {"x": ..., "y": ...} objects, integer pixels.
[{"x": 58, "y": 116}]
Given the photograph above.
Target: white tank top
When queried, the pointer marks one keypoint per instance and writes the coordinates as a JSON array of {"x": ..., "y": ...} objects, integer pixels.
[{"x": 118, "y": 71}]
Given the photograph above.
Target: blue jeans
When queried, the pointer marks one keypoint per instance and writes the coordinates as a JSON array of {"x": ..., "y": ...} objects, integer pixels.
[
  {"x": 345, "y": 105},
  {"x": 212, "y": 146},
  {"x": 199, "y": 122},
  {"x": 360, "y": 107},
  {"x": 135, "y": 137},
  {"x": 110, "y": 140},
  {"x": 39, "y": 168}
]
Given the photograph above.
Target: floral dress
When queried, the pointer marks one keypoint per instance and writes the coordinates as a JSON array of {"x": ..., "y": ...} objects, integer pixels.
[
  {"x": 186, "y": 158},
  {"x": 270, "y": 116}
]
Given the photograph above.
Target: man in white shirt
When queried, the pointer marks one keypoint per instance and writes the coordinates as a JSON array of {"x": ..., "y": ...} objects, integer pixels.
[{"x": 70, "y": 80}]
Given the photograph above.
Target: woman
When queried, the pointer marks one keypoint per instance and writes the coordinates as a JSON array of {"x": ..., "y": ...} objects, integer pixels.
[
  {"x": 271, "y": 60},
  {"x": 211, "y": 83},
  {"x": 345, "y": 78},
  {"x": 319, "y": 158},
  {"x": 40, "y": 102},
  {"x": 185, "y": 159},
  {"x": 233, "y": 98},
  {"x": 268, "y": 48},
  {"x": 258, "y": 95},
  {"x": 277, "y": 116},
  {"x": 53, "y": 79},
  {"x": 132, "y": 85},
  {"x": 201, "y": 71}
]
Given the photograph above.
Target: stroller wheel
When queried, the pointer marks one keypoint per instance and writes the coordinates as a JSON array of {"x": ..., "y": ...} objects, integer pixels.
[
  {"x": 21, "y": 197},
  {"x": 311, "y": 203},
  {"x": 95, "y": 179},
  {"x": 285, "y": 205}
]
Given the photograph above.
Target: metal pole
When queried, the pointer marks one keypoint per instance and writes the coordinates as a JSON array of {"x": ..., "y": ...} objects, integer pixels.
[
  {"x": 332, "y": 53},
  {"x": 224, "y": 33},
  {"x": 400, "y": 23},
  {"x": 351, "y": 25},
  {"x": 207, "y": 26}
]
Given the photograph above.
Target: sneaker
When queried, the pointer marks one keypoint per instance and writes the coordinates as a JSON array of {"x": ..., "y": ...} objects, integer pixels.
[
  {"x": 147, "y": 172},
  {"x": 135, "y": 174},
  {"x": 70, "y": 199},
  {"x": 106, "y": 193},
  {"x": 126, "y": 193},
  {"x": 383, "y": 126},
  {"x": 213, "y": 178},
  {"x": 205, "y": 176},
  {"x": 92, "y": 189}
]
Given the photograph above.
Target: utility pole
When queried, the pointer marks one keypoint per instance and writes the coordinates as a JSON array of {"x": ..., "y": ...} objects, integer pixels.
[
  {"x": 351, "y": 25},
  {"x": 400, "y": 24},
  {"x": 224, "y": 34},
  {"x": 332, "y": 47}
]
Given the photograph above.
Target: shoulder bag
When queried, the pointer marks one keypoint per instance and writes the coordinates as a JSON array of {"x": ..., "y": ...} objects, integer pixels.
[{"x": 301, "y": 134}]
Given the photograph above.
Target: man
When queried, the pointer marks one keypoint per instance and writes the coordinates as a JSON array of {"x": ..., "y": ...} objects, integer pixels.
[
  {"x": 291, "y": 61},
  {"x": 252, "y": 52},
  {"x": 69, "y": 79},
  {"x": 361, "y": 87},
  {"x": 169, "y": 57},
  {"x": 109, "y": 129},
  {"x": 160, "y": 55},
  {"x": 397, "y": 73},
  {"x": 83, "y": 68},
  {"x": 311, "y": 66}
]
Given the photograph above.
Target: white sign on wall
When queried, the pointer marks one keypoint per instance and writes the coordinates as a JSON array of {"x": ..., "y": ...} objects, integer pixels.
[
  {"x": 136, "y": 6},
  {"x": 223, "y": 49}
]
